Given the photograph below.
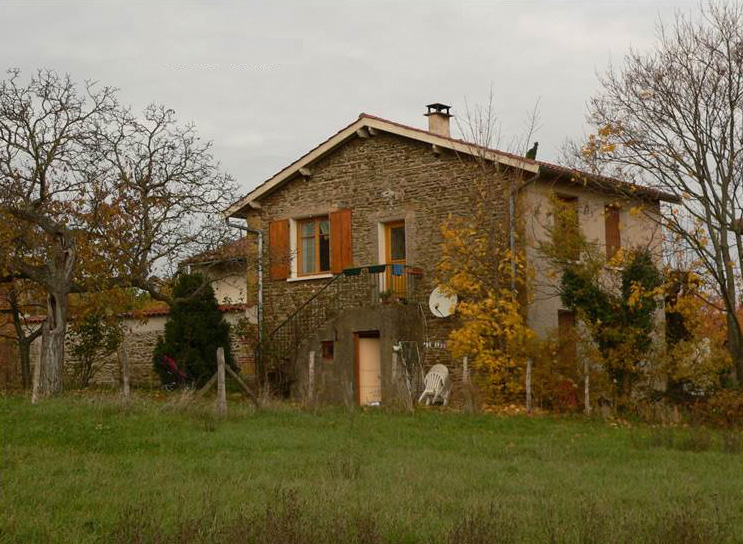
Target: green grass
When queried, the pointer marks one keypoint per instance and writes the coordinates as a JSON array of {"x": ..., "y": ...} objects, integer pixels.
[{"x": 89, "y": 470}]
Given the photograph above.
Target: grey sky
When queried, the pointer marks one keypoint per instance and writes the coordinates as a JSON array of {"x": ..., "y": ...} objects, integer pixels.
[{"x": 267, "y": 82}]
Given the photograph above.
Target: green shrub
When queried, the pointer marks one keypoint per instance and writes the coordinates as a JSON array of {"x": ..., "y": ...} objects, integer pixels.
[{"x": 187, "y": 354}]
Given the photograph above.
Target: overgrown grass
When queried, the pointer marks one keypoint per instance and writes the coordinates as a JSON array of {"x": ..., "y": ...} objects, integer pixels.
[{"x": 91, "y": 470}]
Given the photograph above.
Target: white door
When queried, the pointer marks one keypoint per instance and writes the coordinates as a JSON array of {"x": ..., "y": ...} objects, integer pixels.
[{"x": 370, "y": 371}]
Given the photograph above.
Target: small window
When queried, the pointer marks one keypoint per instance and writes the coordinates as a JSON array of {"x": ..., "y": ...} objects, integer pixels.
[
  {"x": 328, "y": 350},
  {"x": 313, "y": 246}
]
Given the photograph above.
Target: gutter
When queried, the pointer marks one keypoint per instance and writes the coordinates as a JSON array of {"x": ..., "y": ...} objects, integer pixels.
[{"x": 259, "y": 233}]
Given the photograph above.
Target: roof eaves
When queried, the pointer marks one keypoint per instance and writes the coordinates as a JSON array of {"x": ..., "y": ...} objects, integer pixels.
[
  {"x": 610, "y": 184},
  {"x": 385, "y": 125},
  {"x": 275, "y": 180},
  {"x": 457, "y": 145}
]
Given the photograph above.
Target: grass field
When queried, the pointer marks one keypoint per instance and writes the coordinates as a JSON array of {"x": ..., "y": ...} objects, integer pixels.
[{"x": 80, "y": 469}]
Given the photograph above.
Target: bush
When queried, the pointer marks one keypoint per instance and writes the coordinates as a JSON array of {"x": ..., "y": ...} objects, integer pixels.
[
  {"x": 93, "y": 338},
  {"x": 187, "y": 354},
  {"x": 724, "y": 408}
]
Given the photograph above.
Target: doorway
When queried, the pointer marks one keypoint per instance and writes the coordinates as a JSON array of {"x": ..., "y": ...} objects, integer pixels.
[
  {"x": 395, "y": 258},
  {"x": 368, "y": 371}
]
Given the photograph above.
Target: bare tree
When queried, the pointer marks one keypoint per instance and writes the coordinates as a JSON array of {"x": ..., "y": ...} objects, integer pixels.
[
  {"x": 94, "y": 197},
  {"x": 673, "y": 118},
  {"x": 46, "y": 129},
  {"x": 169, "y": 198}
]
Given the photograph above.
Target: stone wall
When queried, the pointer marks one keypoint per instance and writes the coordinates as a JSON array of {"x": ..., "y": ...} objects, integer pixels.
[
  {"x": 139, "y": 342},
  {"x": 381, "y": 179},
  {"x": 10, "y": 364}
]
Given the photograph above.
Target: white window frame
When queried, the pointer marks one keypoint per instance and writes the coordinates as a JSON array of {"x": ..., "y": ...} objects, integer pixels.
[{"x": 294, "y": 250}]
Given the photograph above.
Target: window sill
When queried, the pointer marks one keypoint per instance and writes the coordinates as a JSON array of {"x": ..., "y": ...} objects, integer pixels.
[{"x": 312, "y": 277}]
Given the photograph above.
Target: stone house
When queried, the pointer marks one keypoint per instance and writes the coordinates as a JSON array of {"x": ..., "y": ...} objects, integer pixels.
[
  {"x": 353, "y": 231},
  {"x": 226, "y": 267}
]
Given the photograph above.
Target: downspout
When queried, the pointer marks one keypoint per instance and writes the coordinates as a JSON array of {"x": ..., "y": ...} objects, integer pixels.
[
  {"x": 513, "y": 193},
  {"x": 259, "y": 233}
]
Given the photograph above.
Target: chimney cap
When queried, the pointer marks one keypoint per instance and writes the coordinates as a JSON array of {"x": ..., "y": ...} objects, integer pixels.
[{"x": 438, "y": 108}]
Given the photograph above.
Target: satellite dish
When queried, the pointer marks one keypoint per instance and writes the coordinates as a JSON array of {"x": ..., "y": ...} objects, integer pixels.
[{"x": 442, "y": 304}]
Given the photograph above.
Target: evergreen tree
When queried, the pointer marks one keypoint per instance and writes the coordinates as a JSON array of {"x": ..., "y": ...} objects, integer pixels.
[{"x": 187, "y": 354}]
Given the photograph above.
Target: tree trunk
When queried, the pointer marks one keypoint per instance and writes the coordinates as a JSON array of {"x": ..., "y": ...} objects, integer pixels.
[
  {"x": 52, "y": 345},
  {"x": 735, "y": 346},
  {"x": 124, "y": 362},
  {"x": 25, "y": 349}
]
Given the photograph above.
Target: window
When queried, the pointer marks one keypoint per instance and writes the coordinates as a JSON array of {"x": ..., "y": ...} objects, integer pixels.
[
  {"x": 395, "y": 257},
  {"x": 611, "y": 226},
  {"x": 313, "y": 246},
  {"x": 328, "y": 350},
  {"x": 396, "y": 242}
]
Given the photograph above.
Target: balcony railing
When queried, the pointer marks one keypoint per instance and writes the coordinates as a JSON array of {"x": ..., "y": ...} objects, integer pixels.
[{"x": 352, "y": 288}]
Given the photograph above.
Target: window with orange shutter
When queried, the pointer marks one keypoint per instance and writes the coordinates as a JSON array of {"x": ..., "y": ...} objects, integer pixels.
[{"x": 313, "y": 246}]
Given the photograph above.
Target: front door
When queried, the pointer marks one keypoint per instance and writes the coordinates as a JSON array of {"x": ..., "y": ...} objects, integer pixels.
[
  {"x": 395, "y": 258},
  {"x": 368, "y": 368}
]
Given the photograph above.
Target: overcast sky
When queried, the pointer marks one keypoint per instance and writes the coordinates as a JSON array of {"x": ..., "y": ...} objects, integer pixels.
[{"x": 267, "y": 82}]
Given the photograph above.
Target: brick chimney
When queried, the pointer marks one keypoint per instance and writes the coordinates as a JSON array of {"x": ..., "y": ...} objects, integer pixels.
[{"x": 438, "y": 119}]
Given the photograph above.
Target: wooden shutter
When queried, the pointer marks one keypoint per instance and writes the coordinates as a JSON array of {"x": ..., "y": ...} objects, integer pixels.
[
  {"x": 611, "y": 224},
  {"x": 341, "y": 251},
  {"x": 278, "y": 248}
]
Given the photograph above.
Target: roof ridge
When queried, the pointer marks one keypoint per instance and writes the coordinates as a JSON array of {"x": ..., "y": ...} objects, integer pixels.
[{"x": 619, "y": 184}]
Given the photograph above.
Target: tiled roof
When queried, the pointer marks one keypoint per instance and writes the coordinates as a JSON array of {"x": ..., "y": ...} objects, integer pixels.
[
  {"x": 231, "y": 251},
  {"x": 158, "y": 311},
  {"x": 162, "y": 311},
  {"x": 598, "y": 182},
  {"x": 579, "y": 176}
]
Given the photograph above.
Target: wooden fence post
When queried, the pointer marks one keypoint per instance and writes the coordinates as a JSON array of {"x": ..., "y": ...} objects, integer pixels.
[
  {"x": 36, "y": 378},
  {"x": 221, "y": 391},
  {"x": 586, "y": 388},
  {"x": 394, "y": 367},
  {"x": 124, "y": 360},
  {"x": 311, "y": 377},
  {"x": 528, "y": 385}
]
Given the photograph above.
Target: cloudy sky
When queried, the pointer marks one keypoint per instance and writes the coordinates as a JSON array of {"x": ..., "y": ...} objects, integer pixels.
[{"x": 267, "y": 82}]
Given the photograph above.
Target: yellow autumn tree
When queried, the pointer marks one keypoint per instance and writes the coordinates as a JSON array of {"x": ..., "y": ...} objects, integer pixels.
[{"x": 479, "y": 266}]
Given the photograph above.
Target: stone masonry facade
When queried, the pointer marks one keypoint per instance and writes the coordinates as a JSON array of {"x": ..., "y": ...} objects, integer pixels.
[{"x": 381, "y": 179}]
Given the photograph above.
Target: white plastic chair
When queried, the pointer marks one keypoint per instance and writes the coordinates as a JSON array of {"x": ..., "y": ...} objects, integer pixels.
[{"x": 437, "y": 386}]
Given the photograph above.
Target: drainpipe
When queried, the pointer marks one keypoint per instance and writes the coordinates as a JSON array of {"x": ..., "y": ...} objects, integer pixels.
[
  {"x": 259, "y": 233},
  {"x": 512, "y": 194}
]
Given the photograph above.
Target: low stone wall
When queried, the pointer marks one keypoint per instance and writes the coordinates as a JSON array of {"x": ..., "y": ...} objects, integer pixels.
[
  {"x": 10, "y": 364},
  {"x": 140, "y": 339}
]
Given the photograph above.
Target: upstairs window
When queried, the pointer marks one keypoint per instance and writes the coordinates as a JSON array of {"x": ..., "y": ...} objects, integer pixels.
[
  {"x": 307, "y": 247},
  {"x": 313, "y": 246}
]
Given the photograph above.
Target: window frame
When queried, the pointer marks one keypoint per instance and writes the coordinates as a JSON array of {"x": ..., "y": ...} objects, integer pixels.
[{"x": 316, "y": 220}]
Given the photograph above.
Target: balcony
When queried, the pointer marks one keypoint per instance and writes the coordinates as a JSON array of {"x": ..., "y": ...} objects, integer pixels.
[{"x": 352, "y": 288}]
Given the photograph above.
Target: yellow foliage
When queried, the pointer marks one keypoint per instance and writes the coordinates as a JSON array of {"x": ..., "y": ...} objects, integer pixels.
[{"x": 479, "y": 267}]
